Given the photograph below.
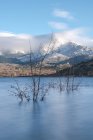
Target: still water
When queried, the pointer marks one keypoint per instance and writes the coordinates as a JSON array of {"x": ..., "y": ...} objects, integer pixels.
[{"x": 61, "y": 116}]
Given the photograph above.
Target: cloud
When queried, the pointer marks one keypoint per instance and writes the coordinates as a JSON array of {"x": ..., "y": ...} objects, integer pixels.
[
  {"x": 13, "y": 42},
  {"x": 10, "y": 42},
  {"x": 58, "y": 25},
  {"x": 62, "y": 14},
  {"x": 9, "y": 34},
  {"x": 77, "y": 36}
]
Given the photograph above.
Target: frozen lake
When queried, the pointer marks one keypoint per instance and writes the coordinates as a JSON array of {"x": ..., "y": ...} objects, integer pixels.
[{"x": 61, "y": 116}]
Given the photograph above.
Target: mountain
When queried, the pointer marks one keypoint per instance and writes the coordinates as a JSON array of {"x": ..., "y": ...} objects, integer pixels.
[
  {"x": 63, "y": 53},
  {"x": 81, "y": 69},
  {"x": 71, "y": 50},
  {"x": 4, "y": 59},
  {"x": 70, "y": 53}
]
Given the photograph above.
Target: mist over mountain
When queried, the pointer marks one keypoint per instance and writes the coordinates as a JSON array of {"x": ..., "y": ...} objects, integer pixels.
[
  {"x": 20, "y": 43},
  {"x": 67, "y": 46},
  {"x": 66, "y": 53}
]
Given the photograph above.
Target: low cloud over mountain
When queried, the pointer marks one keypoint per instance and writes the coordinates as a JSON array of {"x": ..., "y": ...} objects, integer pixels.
[{"x": 14, "y": 43}]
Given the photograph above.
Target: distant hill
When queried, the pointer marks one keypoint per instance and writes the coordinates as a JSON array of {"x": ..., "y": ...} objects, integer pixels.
[
  {"x": 81, "y": 69},
  {"x": 64, "y": 53},
  {"x": 10, "y": 60}
]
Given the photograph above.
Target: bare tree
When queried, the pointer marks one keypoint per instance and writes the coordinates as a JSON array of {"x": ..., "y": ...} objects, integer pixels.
[
  {"x": 36, "y": 62},
  {"x": 36, "y": 66}
]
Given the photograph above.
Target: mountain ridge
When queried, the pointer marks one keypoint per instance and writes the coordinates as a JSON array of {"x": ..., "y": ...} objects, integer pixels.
[{"x": 61, "y": 54}]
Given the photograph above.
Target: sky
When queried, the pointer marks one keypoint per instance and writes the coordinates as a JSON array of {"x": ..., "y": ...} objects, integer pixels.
[
  {"x": 24, "y": 18},
  {"x": 44, "y": 16}
]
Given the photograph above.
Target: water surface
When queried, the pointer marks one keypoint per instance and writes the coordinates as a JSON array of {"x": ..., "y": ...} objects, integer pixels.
[{"x": 61, "y": 116}]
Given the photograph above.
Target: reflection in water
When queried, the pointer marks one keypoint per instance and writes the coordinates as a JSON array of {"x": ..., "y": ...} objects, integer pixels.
[{"x": 59, "y": 117}]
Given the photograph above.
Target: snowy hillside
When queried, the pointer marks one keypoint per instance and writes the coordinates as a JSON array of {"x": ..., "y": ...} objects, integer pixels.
[{"x": 63, "y": 52}]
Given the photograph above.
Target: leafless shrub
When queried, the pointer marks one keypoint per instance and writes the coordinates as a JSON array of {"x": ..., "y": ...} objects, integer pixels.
[
  {"x": 61, "y": 85},
  {"x": 20, "y": 93},
  {"x": 36, "y": 68},
  {"x": 36, "y": 63},
  {"x": 72, "y": 83}
]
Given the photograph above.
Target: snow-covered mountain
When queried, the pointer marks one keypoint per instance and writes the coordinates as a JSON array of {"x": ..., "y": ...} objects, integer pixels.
[
  {"x": 62, "y": 53},
  {"x": 71, "y": 50}
]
